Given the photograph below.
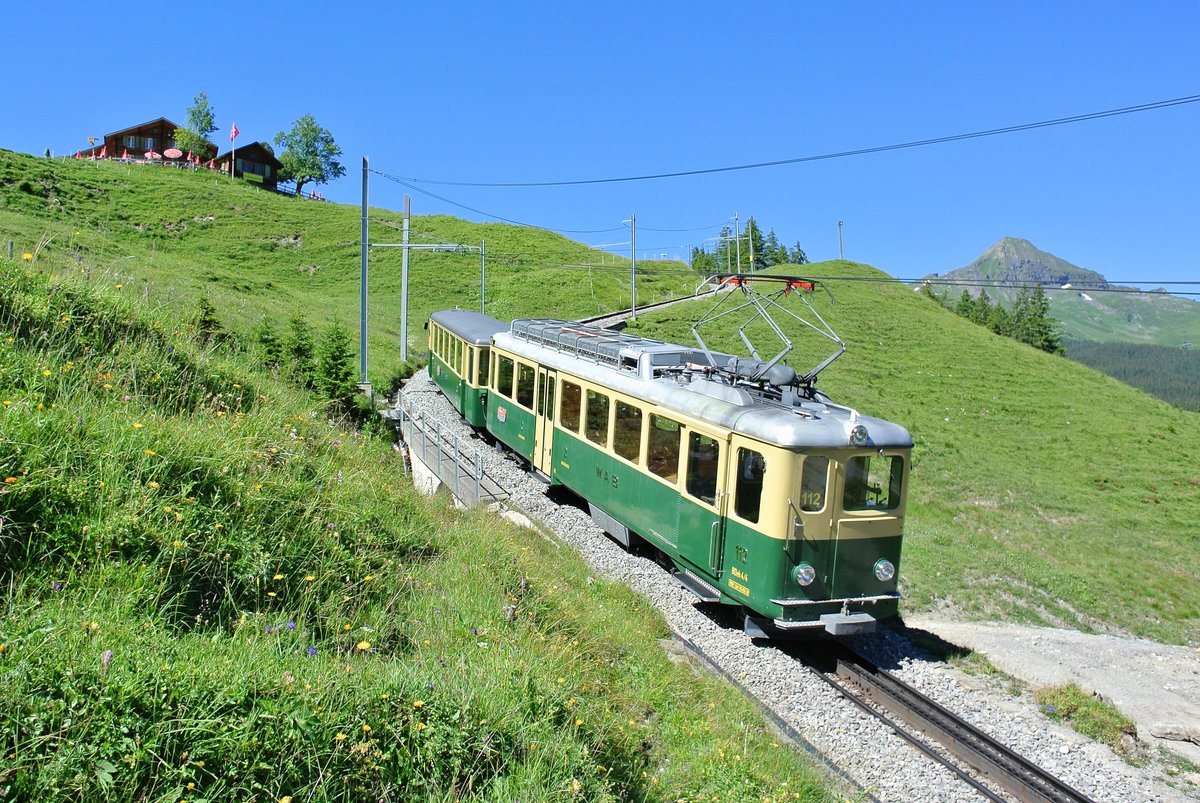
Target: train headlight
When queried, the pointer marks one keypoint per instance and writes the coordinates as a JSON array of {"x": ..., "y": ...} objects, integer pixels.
[
  {"x": 805, "y": 574},
  {"x": 884, "y": 570},
  {"x": 859, "y": 435}
]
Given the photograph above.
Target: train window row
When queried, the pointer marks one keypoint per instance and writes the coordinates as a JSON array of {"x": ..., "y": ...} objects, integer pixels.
[
  {"x": 463, "y": 359},
  {"x": 619, "y": 425}
]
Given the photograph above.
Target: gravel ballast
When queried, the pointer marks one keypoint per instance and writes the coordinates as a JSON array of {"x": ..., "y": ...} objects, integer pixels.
[{"x": 864, "y": 750}]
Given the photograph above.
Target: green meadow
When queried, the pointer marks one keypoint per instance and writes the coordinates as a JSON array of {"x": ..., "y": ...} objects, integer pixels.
[{"x": 215, "y": 588}]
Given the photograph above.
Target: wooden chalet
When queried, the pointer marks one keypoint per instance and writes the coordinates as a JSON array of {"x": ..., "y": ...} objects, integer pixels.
[
  {"x": 156, "y": 135},
  {"x": 255, "y": 163}
]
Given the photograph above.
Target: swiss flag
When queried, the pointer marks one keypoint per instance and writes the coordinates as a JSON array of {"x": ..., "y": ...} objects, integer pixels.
[{"x": 233, "y": 132}]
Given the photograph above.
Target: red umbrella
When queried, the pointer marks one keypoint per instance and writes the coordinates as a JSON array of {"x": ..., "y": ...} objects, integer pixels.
[
  {"x": 125, "y": 153},
  {"x": 190, "y": 156},
  {"x": 152, "y": 155},
  {"x": 210, "y": 164},
  {"x": 172, "y": 153},
  {"x": 104, "y": 152},
  {"x": 78, "y": 155}
]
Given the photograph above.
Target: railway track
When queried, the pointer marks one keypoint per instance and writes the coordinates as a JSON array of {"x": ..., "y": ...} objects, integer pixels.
[{"x": 886, "y": 697}]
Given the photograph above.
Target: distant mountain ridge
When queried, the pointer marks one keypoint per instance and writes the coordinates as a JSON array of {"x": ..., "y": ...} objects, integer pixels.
[
  {"x": 1088, "y": 306},
  {"x": 1013, "y": 260}
]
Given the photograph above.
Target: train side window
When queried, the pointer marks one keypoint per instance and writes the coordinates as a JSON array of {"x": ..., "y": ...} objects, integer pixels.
[
  {"x": 484, "y": 362},
  {"x": 457, "y": 356},
  {"x": 747, "y": 497},
  {"x": 470, "y": 364},
  {"x": 597, "y": 418},
  {"x": 525, "y": 377},
  {"x": 504, "y": 376},
  {"x": 662, "y": 448},
  {"x": 572, "y": 405},
  {"x": 703, "y": 454},
  {"x": 627, "y": 431},
  {"x": 873, "y": 482},
  {"x": 812, "y": 483}
]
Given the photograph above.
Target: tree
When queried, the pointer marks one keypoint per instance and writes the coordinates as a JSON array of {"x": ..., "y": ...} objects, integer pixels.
[
  {"x": 704, "y": 262},
  {"x": 208, "y": 327},
  {"x": 335, "y": 368},
  {"x": 200, "y": 124},
  {"x": 309, "y": 154},
  {"x": 753, "y": 246},
  {"x": 299, "y": 350},
  {"x": 797, "y": 255}
]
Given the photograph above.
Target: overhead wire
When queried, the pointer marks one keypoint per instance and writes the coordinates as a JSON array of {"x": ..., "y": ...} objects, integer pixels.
[{"x": 990, "y": 132}]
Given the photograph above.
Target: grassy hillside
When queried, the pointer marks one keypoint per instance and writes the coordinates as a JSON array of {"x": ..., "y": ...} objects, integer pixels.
[
  {"x": 1151, "y": 318},
  {"x": 169, "y": 236},
  {"x": 213, "y": 591},
  {"x": 1043, "y": 491}
]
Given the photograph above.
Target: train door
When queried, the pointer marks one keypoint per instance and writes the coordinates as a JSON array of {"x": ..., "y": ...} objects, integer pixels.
[
  {"x": 702, "y": 503},
  {"x": 813, "y": 541},
  {"x": 544, "y": 419}
]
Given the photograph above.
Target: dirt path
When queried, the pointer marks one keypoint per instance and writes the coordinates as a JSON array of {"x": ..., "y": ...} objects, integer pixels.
[{"x": 1155, "y": 685}]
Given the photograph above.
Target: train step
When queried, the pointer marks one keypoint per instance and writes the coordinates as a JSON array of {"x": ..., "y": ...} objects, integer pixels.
[{"x": 703, "y": 589}]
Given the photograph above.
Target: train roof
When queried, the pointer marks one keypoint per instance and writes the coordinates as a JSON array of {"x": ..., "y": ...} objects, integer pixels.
[
  {"x": 684, "y": 379},
  {"x": 473, "y": 327}
]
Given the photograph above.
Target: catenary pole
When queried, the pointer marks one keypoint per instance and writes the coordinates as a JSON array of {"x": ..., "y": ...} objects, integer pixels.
[
  {"x": 404, "y": 285},
  {"x": 737, "y": 241},
  {"x": 362, "y": 304},
  {"x": 633, "y": 266},
  {"x": 483, "y": 277}
]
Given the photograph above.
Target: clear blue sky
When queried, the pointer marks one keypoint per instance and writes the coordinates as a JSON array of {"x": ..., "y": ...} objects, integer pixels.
[{"x": 537, "y": 91}]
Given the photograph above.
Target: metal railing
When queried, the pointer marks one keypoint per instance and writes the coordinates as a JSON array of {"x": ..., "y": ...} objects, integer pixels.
[{"x": 456, "y": 461}]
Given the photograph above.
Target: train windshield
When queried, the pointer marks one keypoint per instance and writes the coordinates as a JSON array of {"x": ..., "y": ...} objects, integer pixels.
[{"x": 873, "y": 482}]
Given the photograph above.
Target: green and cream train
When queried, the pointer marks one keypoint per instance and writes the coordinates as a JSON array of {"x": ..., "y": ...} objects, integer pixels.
[{"x": 759, "y": 490}]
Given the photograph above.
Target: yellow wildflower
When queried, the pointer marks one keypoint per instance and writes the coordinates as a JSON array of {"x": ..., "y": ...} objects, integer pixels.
[
  {"x": 341, "y": 737},
  {"x": 418, "y": 703},
  {"x": 362, "y": 646},
  {"x": 136, "y": 424},
  {"x": 366, "y": 728}
]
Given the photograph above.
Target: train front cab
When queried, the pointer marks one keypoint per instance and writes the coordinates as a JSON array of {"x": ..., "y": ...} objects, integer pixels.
[{"x": 827, "y": 541}]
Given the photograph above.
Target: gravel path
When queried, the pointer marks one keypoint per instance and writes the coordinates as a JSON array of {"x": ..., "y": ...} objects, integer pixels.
[{"x": 873, "y": 757}]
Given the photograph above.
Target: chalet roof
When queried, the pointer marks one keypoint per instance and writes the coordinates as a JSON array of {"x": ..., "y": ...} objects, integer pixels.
[
  {"x": 259, "y": 151},
  {"x": 147, "y": 124}
]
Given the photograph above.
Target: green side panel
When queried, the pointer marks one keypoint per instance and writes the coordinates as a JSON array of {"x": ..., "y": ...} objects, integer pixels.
[
  {"x": 468, "y": 400},
  {"x": 754, "y": 569},
  {"x": 474, "y": 407},
  {"x": 511, "y": 424},
  {"x": 646, "y": 506}
]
